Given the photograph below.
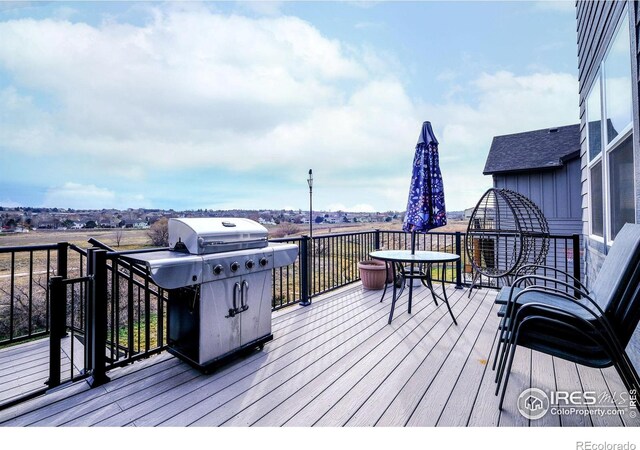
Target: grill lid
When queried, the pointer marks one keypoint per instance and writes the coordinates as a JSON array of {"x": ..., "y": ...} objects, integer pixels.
[{"x": 216, "y": 234}]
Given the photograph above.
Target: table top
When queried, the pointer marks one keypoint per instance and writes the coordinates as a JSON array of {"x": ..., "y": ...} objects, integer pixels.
[{"x": 417, "y": 257}]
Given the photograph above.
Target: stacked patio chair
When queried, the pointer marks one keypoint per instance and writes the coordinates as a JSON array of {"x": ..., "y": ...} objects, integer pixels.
[{"x": 590, "y": 328}]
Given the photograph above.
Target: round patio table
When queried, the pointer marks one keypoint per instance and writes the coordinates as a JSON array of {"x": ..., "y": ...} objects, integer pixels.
[{"x": 398, "y": 258}]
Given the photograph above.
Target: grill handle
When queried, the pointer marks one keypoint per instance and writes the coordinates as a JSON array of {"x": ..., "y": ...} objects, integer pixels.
[
  {"x": 233, "y": 311},
  {"x": 202, "y": 242},
  {"x": 243, "y": 300}
]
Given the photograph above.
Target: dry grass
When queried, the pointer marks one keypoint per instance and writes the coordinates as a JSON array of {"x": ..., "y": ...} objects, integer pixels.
[
  {"x": 130, "y": 238},
  {"x": 325, "y": 228}
]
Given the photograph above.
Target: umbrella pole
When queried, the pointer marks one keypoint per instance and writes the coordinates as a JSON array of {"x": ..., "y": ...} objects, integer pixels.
[{"x": 413, "y": 242}]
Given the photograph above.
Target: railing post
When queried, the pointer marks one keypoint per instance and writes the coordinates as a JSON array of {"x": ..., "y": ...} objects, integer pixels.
[
  {"x": 459, "y": 261},
  {"x": 576, "y": 264},
  {"x": 305, "y": 266},
  {"x": 376, "y": 240},
  {"x": 62, "y": 259},
  {"x": 57, "y": 327},
  {"x": 98, "y": 317},
  {"x": 88, "y": 313}
]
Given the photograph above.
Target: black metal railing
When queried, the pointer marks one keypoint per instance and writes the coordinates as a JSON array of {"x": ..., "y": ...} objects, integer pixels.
[
  {"x": 328, "y": 262},
  {"x": 24, "y": 290},
  {"x": 39, "y": 299},
  {"x": 563, "y": 254},
  {"x": 102, "y": 311},
  {"x": 134, "y": 308},
  {"x": 324, "y": 263},
  {"x": 66, "y": 330}
]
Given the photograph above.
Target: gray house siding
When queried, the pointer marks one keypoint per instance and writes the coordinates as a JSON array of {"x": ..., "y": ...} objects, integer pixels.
[
  {"x": 596, "y": 25},
  {"x": 556, "y": 192}
]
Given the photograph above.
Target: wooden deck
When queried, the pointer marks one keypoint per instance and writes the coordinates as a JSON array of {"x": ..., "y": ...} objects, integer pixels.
[
  {"x": 335, "y": 363},
  {"x": 24, "y": 368}
]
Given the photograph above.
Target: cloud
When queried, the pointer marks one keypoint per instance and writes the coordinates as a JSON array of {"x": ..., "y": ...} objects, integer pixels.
[
  {"x": 199, "y": 81},
  {"x": 194, "y": 90},
  {"x": 79, "y": 196},
  {"x": 8, "y": 203},
  {"x": 505, "y": 103},
  {"x": 262, "y": 7},
  {"x": 8, "y": 5},
  {"x": 197, "y": 89}
]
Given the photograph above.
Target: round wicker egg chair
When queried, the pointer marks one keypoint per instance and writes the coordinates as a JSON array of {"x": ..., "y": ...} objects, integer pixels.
[{"x": 505, "y": 232}]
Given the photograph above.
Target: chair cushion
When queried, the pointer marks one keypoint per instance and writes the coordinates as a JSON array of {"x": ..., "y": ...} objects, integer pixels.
[
  {"x": 565, "y": 343},
  {"x": 571, "y": 306}
]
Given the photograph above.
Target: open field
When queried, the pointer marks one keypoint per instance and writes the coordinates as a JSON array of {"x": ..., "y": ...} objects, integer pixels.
[
  {"x": 451, "y": 227},
  {"x": 132, "y": 238}
]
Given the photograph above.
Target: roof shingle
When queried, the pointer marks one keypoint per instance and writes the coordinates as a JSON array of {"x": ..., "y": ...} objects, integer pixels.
[{"x": 533, "y": 150}]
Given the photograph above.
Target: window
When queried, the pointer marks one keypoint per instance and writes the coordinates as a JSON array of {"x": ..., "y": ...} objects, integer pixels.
[
  {"x": 621, "y": 186},
  {"x": 617, "y": 81},
  {"x": 597, "y": 205},
  {"x": 610, "y": 141},
  {"x": 594, "y": 118}
]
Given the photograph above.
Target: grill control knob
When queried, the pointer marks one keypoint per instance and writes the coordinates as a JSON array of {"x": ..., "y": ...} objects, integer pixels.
[
  {"x": 264, "y": 261},
  {"x": 234, "y": 266},
  {"x": 218, "y": 269},
  {"x": 249, "y": 264}
]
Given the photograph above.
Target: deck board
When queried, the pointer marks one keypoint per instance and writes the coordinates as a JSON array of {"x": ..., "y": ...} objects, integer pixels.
[
  {"x": 334, "y": 363},
  {"x": 437, "y": 394},
  {"x": 543, "y": 378},
  {"x": 375, "y": 362},
  {"x": 24, "y": 368},
  {"x": 404, "y": 388},
  {"x": 462, "y": 397}
]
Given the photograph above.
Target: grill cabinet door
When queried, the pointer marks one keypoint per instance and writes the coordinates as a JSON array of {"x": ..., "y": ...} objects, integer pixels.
[
  {"x": 219, "y": 331},
  {"x": 255, "y": 322}
]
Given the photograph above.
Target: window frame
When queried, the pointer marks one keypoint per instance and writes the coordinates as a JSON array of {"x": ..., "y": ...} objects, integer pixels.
[
  {"x": 591, "y": 162},
  {"x": 615, "y": 145},
  {"x": 606, "y": 148}
]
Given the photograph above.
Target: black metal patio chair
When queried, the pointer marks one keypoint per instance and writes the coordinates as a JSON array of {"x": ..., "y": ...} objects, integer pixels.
[{"x": 592, "y": 330}]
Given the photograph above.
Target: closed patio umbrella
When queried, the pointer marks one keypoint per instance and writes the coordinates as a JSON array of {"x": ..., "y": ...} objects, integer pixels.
[{"x": 425, "y": 208}]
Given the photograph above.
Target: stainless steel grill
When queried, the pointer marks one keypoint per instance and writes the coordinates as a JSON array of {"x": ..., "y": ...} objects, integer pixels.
[{"x": 218, "y": 273}]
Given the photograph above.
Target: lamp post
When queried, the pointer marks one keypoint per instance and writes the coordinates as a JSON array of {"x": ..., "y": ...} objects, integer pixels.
[
  {"x": 307, "y": 263},
  {"x": 310, "y": 183}
]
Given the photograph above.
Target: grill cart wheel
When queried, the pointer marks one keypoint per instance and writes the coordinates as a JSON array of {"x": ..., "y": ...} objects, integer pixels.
[{"x": 506, "y": 231}]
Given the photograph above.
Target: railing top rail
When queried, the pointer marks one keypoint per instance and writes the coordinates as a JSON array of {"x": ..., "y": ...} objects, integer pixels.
[
  {"x": 562, "y": 236},
  {"x": 452, "y": 233},
  {"x": 80, "y": 250},
  {"x": 445, "y": 233},
  {"x": 115, "y": 254},
  {"x": 347, "y": 233},
  {"x": 286, "y": 239},
  {"x": 28, "y": 248}
]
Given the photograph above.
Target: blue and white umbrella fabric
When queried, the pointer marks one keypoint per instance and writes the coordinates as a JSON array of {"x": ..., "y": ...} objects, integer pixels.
[{"x": 425, "y": 208}]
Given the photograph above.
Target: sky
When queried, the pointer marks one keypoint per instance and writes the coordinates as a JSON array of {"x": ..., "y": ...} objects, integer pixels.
[{"x": 227, "y": 105}]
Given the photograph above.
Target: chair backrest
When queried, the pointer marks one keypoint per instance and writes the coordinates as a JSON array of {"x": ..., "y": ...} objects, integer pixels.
[
  {"x": 625, "y": 317},
  {"x": 615, "y": 288}
]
